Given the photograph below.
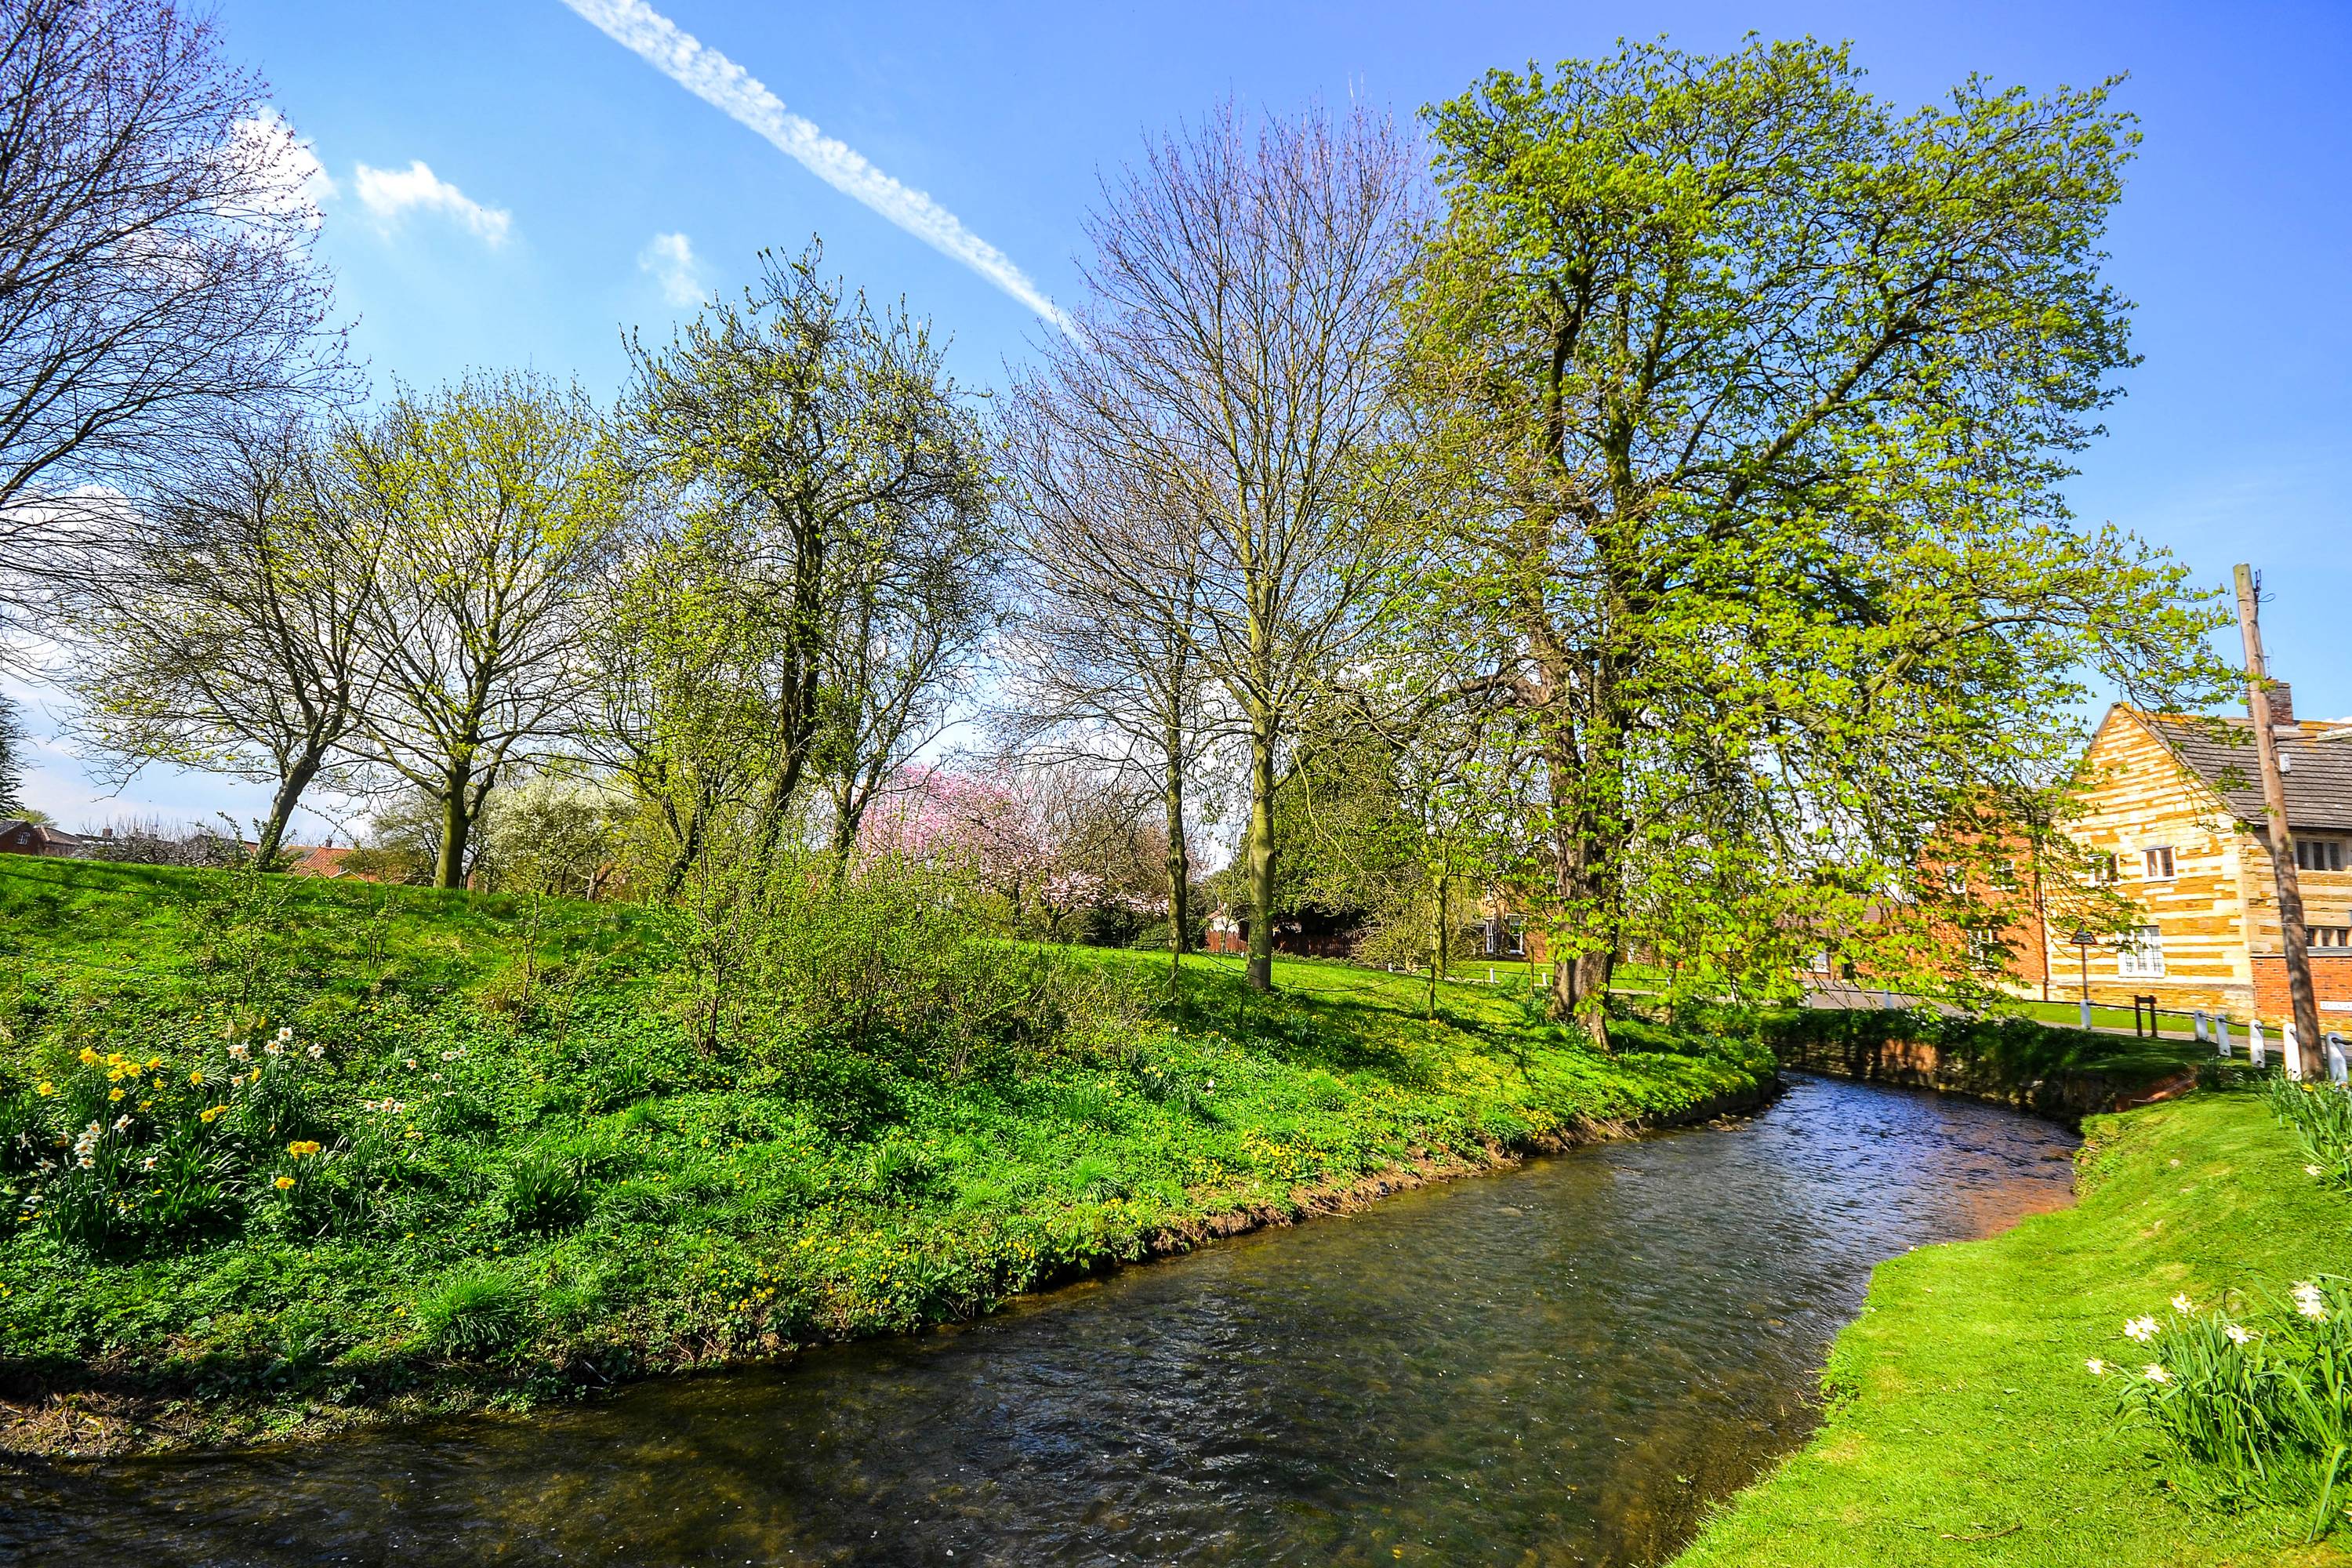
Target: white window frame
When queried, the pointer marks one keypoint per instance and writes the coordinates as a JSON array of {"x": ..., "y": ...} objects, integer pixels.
[
  {"x": 2139, "y": 954},
  {"x": 2148, "y": 863}
]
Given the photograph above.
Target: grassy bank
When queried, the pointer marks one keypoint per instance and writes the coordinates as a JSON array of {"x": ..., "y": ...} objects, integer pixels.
[
  {"x": 488, "y": 1160},
  {"x": 1966, "y": 1428}
]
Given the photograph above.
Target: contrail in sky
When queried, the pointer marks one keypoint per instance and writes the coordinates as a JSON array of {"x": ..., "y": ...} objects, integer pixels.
[{"x": 719, "y": 82}]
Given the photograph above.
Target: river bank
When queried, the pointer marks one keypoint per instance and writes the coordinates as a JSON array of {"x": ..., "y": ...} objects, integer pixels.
[
  {"x": 1964, "y": 1425},
  {"x": 1559, "y": 1363},
  {"x": 485, "y": 1165}
]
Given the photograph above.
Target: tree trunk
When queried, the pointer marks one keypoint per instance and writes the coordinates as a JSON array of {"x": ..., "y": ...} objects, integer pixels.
[
  {"x": 281, "y": 806},
  {"x": 457, "y": 830},
  {"x": 1261, "y": 855},
  {"x": 1180, "y": 858}
]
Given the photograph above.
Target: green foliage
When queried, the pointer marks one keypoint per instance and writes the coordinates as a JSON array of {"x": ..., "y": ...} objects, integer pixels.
[
  {"x": 474, "y": 1312},
  {"x": 2255, "y": 1395},
  {"x": 1750, "y": 399},
  {"x": 2321, "y": 1116},
  {"x": 2010, "y": 1049}
]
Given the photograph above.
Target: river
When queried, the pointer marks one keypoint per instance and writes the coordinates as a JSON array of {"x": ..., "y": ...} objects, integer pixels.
[{"x": 1563, "y": 1364}]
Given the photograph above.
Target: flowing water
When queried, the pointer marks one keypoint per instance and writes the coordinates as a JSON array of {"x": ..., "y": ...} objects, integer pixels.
[{"x": 1561, "y": 1364}]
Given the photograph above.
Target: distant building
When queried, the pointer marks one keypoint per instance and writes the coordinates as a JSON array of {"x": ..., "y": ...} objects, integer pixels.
[
  {"x": 1311, "y": 933},
  {"x": 18, "y": 837},
  {"x": 2173, "y": 806}
]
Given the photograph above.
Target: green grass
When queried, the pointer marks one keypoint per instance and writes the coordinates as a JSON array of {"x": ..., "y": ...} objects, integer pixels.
[
  {"x": 2103, "y": 1017},
  {"x": 1965, "y": 1427},
  {"x": 567, "y": 1191}
]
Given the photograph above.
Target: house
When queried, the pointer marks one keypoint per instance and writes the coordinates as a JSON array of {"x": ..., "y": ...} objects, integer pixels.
[
  {"x": 1309, "y": 934},
  {"x": 18, "y": 837},
  {"x": 2173, "y": 806}
]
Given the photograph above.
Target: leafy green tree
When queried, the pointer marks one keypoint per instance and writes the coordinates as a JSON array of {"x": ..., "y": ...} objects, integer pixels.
[
  {"x": 819, "y": 448},
  {"x": 1748, "y": 402},
  {"x": 490, "y": 508},
  {"x": 227, "y": 636}
]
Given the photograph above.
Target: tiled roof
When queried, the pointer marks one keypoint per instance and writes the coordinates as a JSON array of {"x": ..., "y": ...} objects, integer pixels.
[{"x": 2316, "y": 760}]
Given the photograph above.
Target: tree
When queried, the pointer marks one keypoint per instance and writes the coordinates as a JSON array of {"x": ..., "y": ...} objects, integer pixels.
[
  {"x": 1750, "y": 401},
  {"x": 820, "y": 448},
  {"x": 226, "y": 639},
  {"x": 1102, "y": 656},
  {"x": 156, "y": 273},
  {"x": 1241, "y": 315},
  {"x": 13, "y": 746},
  {"x": 489, "y": 507}
]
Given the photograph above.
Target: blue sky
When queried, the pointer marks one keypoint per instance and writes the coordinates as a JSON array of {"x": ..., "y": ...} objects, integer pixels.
[{"x": 578, "y": 156}]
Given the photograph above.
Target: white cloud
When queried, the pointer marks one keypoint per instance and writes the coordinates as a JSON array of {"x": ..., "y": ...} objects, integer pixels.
[
  {"x": 288, "y": 173},
  {"x": 670, "y": 258},
  {"x": 720, "y": 82},
  {"x": 392, "y": 194}
]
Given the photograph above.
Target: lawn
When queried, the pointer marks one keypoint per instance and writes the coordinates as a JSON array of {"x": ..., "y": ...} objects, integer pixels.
[
  {"x": 1966, "y": 1426},
  {"x": 483, "y": 1162}
]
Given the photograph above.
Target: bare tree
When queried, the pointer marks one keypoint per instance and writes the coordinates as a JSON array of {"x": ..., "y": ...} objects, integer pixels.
[
  {"x": 492, "y": 507},
  {"x": 1242, "y": 317},
  {"x": 226, "y": 638},
  {"x": 156, "y": 272},
  {"x": 1102, "y": 659}
]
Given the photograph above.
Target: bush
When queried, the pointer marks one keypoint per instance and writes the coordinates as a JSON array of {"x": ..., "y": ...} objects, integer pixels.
[
  {"x": 544, "y": 1191},
  {"x": 2258, "y": 1400},
  {"x": 474, "y": 1313}
]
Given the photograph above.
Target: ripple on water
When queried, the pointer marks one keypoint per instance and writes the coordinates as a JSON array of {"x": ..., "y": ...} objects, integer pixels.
[{"x": 1561, "y": 1364}]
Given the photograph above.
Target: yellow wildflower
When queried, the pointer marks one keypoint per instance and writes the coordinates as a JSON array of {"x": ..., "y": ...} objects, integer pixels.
[
  {"x": 210, "y": 1114},
  {"x": 284, "y": 1183},
  {"x": 301, "y": 1146},
  {"x": 197, "y": 1076},
  {"x": 89, "y": 1057},
  {"x": 113, "y": 1094},
  {"x": 44, "y": 1089}
]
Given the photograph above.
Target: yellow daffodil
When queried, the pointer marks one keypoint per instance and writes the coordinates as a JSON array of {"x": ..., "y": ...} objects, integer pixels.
[
  {"x": 284, "y": 1183},
  {"x": 44, "y": 1089},
  {"x": 113, "y": 1094},
  {"x": 301, "y": 1146}
]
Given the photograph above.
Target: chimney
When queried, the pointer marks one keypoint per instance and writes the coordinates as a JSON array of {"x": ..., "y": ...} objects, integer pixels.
[{"x": 2281, "y": 699}]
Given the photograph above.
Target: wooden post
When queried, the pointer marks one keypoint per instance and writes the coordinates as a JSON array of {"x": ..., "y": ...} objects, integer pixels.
[{"x": 2276, "y": 838}]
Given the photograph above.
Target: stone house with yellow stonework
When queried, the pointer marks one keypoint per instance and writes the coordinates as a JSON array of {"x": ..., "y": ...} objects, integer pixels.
[{"x": 2173, "y": 804}]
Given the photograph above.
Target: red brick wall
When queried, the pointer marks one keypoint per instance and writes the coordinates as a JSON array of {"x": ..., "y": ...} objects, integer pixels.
[{"x": 2331, "y": 982}]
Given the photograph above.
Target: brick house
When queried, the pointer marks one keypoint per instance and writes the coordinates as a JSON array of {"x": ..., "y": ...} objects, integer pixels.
[
  {"x": 21, "y": 837},
  {"x": 2172, "y": 805}
]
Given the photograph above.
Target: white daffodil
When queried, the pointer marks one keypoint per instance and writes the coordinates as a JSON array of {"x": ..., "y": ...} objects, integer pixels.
[
  {"x": 2142, "y": 1329},
  {"x": 2238, "y": 1336},
  {"x": 2098, "y": 1368},
  {"x": 2183, "y": 1305},
  {"x": 2155, "y": 1373}
]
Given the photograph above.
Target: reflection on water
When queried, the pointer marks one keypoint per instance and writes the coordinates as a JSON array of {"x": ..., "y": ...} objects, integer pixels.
[{"x": 1558, "y": 1365}]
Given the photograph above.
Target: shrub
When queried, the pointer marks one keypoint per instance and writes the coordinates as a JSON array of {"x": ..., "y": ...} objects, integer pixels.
[
  {"x": 2258, "y": 1401},
  {"x": 544, "y": 1191},
  {"x": 477, "y": 1313},
  {"x": 2321, "y": 1115}
]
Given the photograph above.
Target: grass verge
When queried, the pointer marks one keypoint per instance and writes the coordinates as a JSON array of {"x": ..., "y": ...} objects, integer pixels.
[
  {"x": 1965, "y": 1426},
  {"x": 488, "y": 1164}
]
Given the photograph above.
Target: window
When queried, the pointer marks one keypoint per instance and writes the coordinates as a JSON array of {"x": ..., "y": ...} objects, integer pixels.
[
  {"x": 2102, "y": 870},
  {"x": 2156, "y": 864},
  {"x": 1956, "y": 880},
  {"x": 2331, "y": 936},
  {"x": 2004, "y": 873},
  {"x": 2139, "y": 952},
  {"x": 2319, "y": 855},
  {"x": 1505, "y": 937},
  {"x": 1985, "y": 949}
]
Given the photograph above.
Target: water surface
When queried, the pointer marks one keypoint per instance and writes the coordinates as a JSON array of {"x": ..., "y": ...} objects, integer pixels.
[{"x": 1559, "y": 1364}]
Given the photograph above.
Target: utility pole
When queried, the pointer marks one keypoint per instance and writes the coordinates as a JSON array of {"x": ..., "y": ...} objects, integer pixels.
[{"x": 2293, "y": 939}]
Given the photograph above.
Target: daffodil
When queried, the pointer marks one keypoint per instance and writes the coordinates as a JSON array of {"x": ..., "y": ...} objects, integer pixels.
[
  {"x": 2238, "y": 1336},
  {"x": 2098, "y": 1368},
  {"x": 44, "y": 1089},
  {"x": 284, "y": 1183},
  {"x": 2142, "y": 1329},
  {"x": 2183, "y": 1305},
  {"x": 2155, "y": 1373}
]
